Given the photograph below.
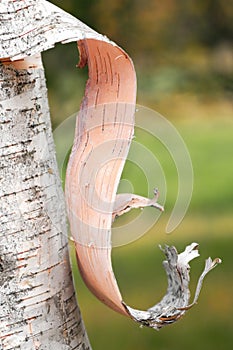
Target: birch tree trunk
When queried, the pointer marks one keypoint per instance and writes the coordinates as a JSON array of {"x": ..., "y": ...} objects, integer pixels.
[{"x": 38, "y": 308}]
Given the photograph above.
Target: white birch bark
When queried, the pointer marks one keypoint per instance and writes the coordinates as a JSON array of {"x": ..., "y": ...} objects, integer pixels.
[
  {"x": 38, "y": 308},
  {"x": 32, "y": 26}
]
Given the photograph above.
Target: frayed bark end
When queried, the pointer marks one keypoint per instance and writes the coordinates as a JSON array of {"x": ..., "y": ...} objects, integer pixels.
[{"x": 176, "y": 301}]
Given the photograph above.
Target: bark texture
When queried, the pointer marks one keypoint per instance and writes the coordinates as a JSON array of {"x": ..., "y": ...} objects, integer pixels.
[
  {"x": 38, "y": 308},
  {"x": 32, "y": 26}
]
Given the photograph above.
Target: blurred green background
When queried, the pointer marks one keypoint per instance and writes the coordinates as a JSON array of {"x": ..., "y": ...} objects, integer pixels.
[{"x": 183, "y": 55}]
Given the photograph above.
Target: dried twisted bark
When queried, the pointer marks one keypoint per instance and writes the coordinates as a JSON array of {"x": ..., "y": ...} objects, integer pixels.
[{"x": 104, "y": 131}]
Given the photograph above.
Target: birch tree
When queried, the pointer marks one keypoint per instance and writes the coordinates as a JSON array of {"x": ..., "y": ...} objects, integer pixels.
[{"x": 38, "y": 307}]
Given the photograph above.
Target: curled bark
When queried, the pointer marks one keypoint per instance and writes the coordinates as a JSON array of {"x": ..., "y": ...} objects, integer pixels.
[{"x": 104, "y": 131}]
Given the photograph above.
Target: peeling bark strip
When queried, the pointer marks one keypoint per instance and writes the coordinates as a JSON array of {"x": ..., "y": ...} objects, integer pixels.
[
  {"x": 91, "y": 187},
  {"x": 38, "y": 308},
  {"x": 104, "y": 131}
]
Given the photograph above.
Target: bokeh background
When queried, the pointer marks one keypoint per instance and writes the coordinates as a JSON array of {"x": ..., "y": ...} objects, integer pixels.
[{"x": 183, "y": 55}]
